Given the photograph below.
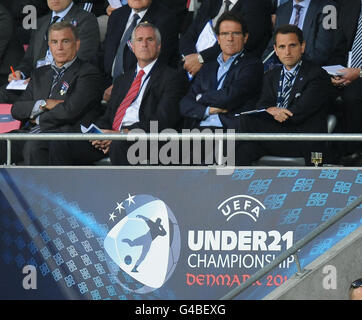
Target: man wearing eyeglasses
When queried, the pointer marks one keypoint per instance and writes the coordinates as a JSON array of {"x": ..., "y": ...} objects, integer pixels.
[
  {"x": 227, "y": 85},
  {"x": 355, "y": 290}
]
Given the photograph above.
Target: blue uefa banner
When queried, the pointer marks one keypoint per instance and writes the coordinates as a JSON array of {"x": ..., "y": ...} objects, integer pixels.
[{"x": 164, "y": 233}]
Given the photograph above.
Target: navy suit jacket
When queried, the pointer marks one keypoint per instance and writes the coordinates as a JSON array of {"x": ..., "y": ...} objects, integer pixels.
[
  {"x": 257, "y": 17},
  {"x": 161, "y": 17},
  {"x": 319, "y": 41},
  {"x": 239, "y": 92},
  {"x": 308, "y": 100}
]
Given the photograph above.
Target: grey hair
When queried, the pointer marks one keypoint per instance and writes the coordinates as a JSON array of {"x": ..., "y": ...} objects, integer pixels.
[
  {"x": 64, "y": 25},
  {"x": 147, "y": 25}
]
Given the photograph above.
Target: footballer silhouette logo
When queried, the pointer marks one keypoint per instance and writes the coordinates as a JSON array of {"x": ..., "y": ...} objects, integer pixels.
[{"x": 144, "y": 242}]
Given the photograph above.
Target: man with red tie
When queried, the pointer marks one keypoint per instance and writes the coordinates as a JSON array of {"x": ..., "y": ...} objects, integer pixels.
[{"x": 150, "y": 92}]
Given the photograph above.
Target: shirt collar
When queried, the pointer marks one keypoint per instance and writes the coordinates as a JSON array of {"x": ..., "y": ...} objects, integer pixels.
[
  {"x": 141, "y": 13},
  {"x": 147, "y": 68},
  {"x": 65, "y": 65},
  {"x": 304, "y": 3},
  {"x": 291, "y": 70},
  {"x": 221, "y": 61},
  {"x": 63, "y": 13}
]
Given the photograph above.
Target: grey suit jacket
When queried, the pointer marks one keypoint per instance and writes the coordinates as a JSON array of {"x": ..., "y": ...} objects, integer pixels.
[
  {"x": 88, "y": 30},
  {"x": 319, "y": 41},
  {"x": 79, "y": 88}
]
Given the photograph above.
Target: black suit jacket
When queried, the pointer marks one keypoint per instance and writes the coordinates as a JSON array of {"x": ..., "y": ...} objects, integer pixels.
[
  {"x": 308, "y": 101},
  {"x": 88, "y": 30},
  {"x": 348, "y": 15},
  {"x": 160, "y": 101},
  {"x": 156, "y": 14},
  {"x": 11, "y": 51},
  {"x": 319, "y": 41},
  {"x": 257, "y": 17},
  {"x": 81, "y": 100},
  {"x": 239, "y": 92}
]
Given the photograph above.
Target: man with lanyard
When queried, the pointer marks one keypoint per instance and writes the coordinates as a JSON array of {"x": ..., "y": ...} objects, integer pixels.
[
  {"x": 59, "y": 97},
  {"x": 226, "y": 86},
  {"x": 294, "y": 99},
  {"x": 149, "y": 92}
]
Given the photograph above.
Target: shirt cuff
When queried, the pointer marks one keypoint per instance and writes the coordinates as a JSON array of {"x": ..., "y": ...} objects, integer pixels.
[{"x": 207, "y": 113}]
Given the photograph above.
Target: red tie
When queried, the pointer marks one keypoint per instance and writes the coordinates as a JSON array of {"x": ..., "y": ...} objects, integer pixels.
[{"x": 131, "y": 95}]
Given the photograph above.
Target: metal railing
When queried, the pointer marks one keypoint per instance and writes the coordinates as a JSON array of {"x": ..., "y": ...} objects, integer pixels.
[
  {"x": 132, "y": 136},
  {"x": 293, "y": 250}
]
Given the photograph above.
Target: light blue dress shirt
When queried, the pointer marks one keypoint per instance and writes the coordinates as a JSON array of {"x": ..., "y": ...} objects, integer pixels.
[
  {"x": 224, "y": 66},
  {"x": 303, "y": 12}
]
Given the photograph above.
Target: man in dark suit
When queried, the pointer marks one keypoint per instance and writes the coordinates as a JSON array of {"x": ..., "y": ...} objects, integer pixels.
[
  {"x": 150, "y": 92},
  {"x": 256, "y": 13},
  {"x": 349, "y": 85},
  {"x": 38, "y": 53},
  {"x": 308, "y": 16},
  {"x": 11, "y": 51},
  {"x": 59, "y": 97},
  {"x": 295, "y": 98},
  {"x": 227, "y": 85},
  {"x": 118, "y": 56}
]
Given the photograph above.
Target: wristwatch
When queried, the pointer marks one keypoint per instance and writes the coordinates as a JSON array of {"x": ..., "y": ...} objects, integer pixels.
[
  {"x": 360, "y": 72},
  {"x": 199, "y": 56}
]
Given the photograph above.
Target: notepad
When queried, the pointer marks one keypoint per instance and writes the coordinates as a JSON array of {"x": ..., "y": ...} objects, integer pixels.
[
  {"x": 91, "y": 129},
  {"x": 17, "y": 85},
  {"x": 334, "y": 70}
]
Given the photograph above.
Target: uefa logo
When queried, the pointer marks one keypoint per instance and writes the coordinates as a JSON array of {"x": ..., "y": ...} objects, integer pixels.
[{"x": 144, "y": 244}]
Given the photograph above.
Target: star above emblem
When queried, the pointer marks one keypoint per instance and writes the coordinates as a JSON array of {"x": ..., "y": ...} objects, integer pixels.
[
  {"x": 119, "y": 207},
  {"x": 130, "y": 199},
  {"x": 112, "y": 216}
]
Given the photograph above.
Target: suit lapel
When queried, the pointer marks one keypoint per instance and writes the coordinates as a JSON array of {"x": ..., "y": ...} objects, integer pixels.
[
  {"x": 40, "y": 43},
  {"x": 308, "y": 20},
  {"x": 298, "y": 83},
  {"x": 284, "y": 18}
]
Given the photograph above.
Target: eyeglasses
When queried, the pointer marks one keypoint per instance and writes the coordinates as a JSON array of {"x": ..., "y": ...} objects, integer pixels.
[
  {"x": 356, "y": 284},
  {"x": 234, "y": 34}
]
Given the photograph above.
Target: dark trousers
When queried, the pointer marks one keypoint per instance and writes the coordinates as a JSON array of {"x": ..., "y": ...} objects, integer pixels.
[
  {"x": 32, "y": 152},
  {"x": 349, "y": 113},
  {"x": 249, "y": 151}
]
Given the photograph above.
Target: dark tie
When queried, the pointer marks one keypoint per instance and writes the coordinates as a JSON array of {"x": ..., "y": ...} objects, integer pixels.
[
  {"x": 57, "y": 76},
  {"x": 118, "y": 63},
  {"x": 127, "y": 101},
  {"x": 54, "y": 20},
  {"x": 356, "y": 61},
  {"x": 287, "y": 88},
  {"x": 297, "y": 8},
  {"x": 224, "y": 7}
]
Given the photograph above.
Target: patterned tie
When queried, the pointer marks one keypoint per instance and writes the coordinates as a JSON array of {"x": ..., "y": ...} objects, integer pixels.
[
  {"x": 58, "y": 74},
  {"x": 130, "y": 97},
  {"x": 287, "y": 88},
  {"x": 118, "y": 62},
  {"x": 297, "y": 8},
  {"x": 356, "y": 61}
]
